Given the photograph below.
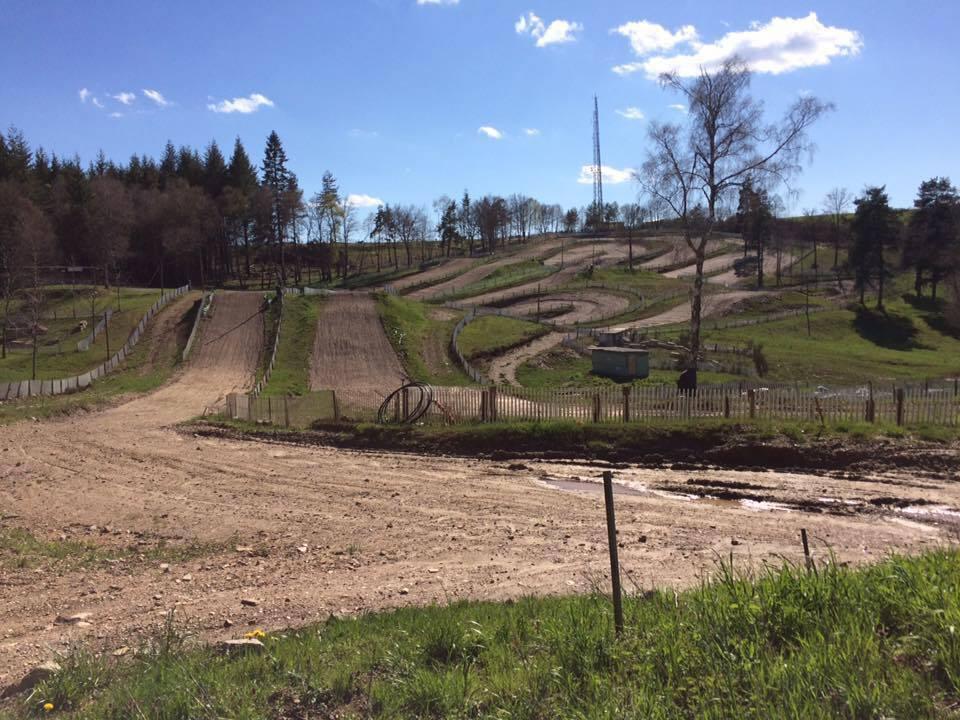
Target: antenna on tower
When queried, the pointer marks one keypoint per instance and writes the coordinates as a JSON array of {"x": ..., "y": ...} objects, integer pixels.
[{"x": 597, "y": 165}]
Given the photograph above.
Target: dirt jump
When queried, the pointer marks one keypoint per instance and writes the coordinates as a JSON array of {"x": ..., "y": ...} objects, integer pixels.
[
  {"x": 350, "y": 349},
  {"x": 479, "y": 270}
]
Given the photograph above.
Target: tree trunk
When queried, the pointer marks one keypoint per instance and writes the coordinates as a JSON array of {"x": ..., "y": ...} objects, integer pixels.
[
  {"x": 696, "y": 305},
  {"x": 759, "y": 264}
]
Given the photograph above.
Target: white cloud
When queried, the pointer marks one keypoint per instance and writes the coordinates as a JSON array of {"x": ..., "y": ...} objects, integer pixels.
[
  {"x": 156, "y": 96},
  {"x": 647, "y": 37},
  {"x": 125, "y": 98},
  {"x": 364, "y": 201},
  {"x": 679, "y": 107},
  {"x": 632, "y": 113},
  {"x": 778, "y": 46},
  {"x": 116, "y": 115},
  {"x": 84, "y": 94},
  {"x": 490, "y": 132},
  {"x": 610, "y": 175},
  {"x": 245, "y": 105},
  {"x": 361, "y": 133},
  {"x": 531, "y": 132},
  {"x": 97, "y": 103},
  {"x": 438, "y": 2},
  {"x": 558, "y": 31}
]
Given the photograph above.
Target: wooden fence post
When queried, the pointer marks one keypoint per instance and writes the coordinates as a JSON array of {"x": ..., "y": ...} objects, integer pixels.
[
  {"x": 614, "y": 557},
  {"x": 493, "y": 403},
  {"x": 871, "y": 408},
  {"x": 596, "y": 407},
  {"x": 336, "y": 406},
  {"x": 726, "y": 407},
  {"x": 752, "y": 395},
  {"x": 899, "y": 406},
  {"x": 626, "y": 404},
  {"x": 286, "y": 411},
  {"x": 483, "y": 406},
  {"x": 405, "y": 402}
]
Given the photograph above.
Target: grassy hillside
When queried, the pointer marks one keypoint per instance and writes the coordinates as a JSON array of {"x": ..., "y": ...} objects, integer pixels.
[
  {"x": 133, "y": 303},
  {"x": 291, "y": 374},
  {"x": 421, "y": 335},
  {"x": 907, "y": 342},
  {"x": 491, "y": 335},
  {"x": 503, "y": 278},
  {"x": 146, "y": 368},
  {"x": 875, "y": 642}
]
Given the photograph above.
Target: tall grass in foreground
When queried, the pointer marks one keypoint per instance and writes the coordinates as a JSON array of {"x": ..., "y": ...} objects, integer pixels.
[{"x": 879, "y": 642}]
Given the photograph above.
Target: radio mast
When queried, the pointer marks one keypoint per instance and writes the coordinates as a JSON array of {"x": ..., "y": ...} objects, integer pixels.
[{"x": 597, "y": 165}]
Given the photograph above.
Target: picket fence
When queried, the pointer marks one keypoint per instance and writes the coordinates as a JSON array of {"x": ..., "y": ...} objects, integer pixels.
[
  {"x": 31, "y": 388},
  {"x": 469, "y": 405}
]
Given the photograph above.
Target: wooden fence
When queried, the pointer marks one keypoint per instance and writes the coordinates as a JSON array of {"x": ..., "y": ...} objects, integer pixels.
[{"x": 937, "y": 405}]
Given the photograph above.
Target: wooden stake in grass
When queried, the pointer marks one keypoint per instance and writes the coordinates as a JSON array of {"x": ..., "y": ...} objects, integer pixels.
[
  {"x": 614, "y": 558},
  {"x": 806, "y": 549}
]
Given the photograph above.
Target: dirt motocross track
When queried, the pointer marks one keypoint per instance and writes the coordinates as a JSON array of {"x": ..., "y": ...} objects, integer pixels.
[{"x": 198, "y": 525}]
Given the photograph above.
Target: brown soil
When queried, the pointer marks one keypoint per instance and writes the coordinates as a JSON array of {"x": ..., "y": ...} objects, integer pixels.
[
  {"x": 713, "y": 306},
  {"x": 168, "y": 332},
  {"x": 484, "y": 269},
  {"x": 710, "y": 265},
  {"x": 350, "y": 349},
  {"x": 730, "y": 277},
  {"x": 442, "y": 270},
  {"x": 305, "y": 531},
  {"x": 503, "y": 369}
]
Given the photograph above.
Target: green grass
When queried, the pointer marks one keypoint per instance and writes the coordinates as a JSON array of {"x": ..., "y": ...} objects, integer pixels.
[
  {"x": 420, "y": 335},
  {"x": 565, "y": 370},
  {"x": 291, "y": 372},
  {"x": 503, "y": 278},
  {"x": 492, "y": 334},
  {"x": 21, "y": 549},
  {"x": 138, "y": 374},
  {"x": 852, "y": 346},
  {"x": 644, "y": 282},
  {"x": 134, "y": 303},
  {"x": 876, "y": 642}
]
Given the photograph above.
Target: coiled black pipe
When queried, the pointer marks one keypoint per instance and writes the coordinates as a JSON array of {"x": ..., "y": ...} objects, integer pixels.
[{"x": 413, "y": 414}]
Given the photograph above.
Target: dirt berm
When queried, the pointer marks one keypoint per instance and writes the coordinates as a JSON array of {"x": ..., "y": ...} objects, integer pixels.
[{"x": 729, "y": 446}]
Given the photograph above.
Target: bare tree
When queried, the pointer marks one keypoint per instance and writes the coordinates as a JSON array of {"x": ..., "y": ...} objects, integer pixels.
[
  {"x": 697, "y": 169},
  {"x": 837, "y": 202},
  {"x": 634, "y": 216}
]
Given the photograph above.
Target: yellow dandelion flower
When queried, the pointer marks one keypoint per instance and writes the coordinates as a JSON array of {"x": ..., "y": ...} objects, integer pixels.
[
  {"x": 48, "y": 707},
  {"x": 255, "y": 634}
]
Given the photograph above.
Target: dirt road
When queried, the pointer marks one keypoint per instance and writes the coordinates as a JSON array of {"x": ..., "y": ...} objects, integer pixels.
[
  {"x": 713, "y": 305},
  {"x": 481, "y": 270},
  {"x": 195, "y": 525},
  {"x": 503, "y": 369},
  {"x": 350, "y": 348},
  {"x": 710, "y": 265}
]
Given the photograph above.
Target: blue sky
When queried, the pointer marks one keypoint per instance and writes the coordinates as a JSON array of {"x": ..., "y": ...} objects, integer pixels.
[{"x": 391, "y": 95}]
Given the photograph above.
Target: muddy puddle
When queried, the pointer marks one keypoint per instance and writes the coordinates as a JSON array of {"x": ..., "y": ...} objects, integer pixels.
[{"x": 764, "y": 492}]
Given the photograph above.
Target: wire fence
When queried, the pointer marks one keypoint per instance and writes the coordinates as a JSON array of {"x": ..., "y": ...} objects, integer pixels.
[{"x": 262, "y": 383}]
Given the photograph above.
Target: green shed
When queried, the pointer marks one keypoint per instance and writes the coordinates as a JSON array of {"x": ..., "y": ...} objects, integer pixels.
[{"x": 620, "y": 363}]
